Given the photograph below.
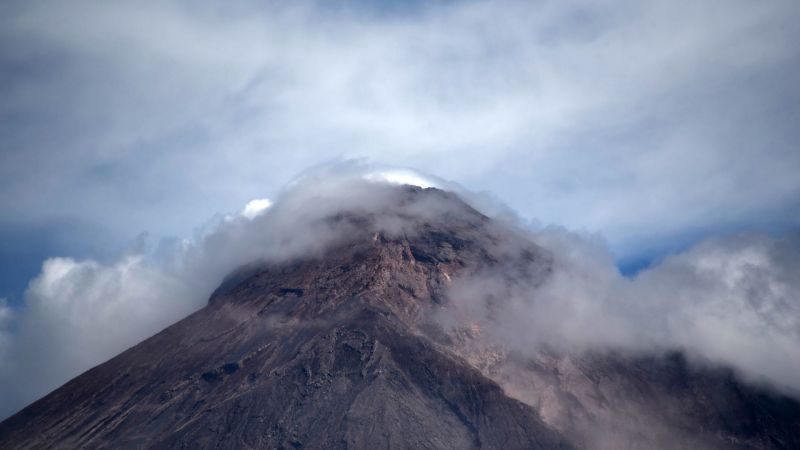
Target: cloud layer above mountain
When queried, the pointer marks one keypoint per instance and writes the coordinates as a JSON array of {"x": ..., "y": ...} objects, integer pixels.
[{"x": 652, "y": 122}]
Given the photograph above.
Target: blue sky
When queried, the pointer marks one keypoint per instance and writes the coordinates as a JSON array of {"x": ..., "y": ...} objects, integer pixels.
[{"x": 652, "y": 124}]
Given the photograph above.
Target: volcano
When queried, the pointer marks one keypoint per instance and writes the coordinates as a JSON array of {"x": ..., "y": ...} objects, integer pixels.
[{"x": 347, "y": 348}]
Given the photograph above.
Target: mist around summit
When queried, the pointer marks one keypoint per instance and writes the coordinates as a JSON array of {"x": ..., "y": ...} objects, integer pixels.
[{"x": 730, "y": 301}]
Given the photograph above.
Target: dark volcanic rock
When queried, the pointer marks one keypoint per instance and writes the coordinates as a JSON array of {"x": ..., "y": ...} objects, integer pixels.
[
  {"x": 339, "y": 351},
  {"x": 321, "y": 353}
]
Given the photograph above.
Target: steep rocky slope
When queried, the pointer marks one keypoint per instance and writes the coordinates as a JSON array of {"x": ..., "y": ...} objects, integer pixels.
[{"x": 347, "y": 349}]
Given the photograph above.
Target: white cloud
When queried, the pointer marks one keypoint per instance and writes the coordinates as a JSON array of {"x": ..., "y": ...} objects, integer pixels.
[
  {"x": 78, "y": 313},
  {"x": 256, "y": 207},
  {"x": 732, "y": 301},
  {"x": 400, "y": 177},
  {"x": 591, "y": 115},
  {"x": 5, "y": 312},
  {"x": 6, "y": 316}
]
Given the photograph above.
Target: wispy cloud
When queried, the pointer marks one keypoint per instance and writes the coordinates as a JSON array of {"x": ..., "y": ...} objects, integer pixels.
[{"x": 640, "y": 120}]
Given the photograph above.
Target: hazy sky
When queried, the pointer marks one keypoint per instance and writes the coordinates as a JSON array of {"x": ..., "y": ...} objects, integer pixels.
[{"x": 651, "y": 123}]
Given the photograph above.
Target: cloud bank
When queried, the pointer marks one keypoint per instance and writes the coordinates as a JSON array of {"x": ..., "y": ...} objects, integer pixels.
[
  {"x": 732, "y": 301},
  {"x": 572, "y": 112},
  {"x": 78, "y": 313}
]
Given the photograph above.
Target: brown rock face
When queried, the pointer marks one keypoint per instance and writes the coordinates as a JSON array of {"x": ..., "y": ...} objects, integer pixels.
[{"x": 342, "y": 351}]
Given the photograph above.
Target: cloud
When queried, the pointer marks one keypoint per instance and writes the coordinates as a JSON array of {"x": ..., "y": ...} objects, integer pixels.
[
  {"x": 5, "y": 312},
  {"x": 6, "y": 316},
  {"x": 78, "y": 313},
  {"x": 256, "y": 207},
  {"x": 731, "y": 301},
  {"x": 573, "y": 112},
  {"x": 737, "y": 302},
  {"x": 401, "y": 177}
]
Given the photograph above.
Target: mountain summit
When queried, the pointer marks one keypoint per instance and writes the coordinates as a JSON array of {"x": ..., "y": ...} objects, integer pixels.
[{"x": 362, "y": 344}]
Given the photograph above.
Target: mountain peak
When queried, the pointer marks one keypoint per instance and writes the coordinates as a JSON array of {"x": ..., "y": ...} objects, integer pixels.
[
  {"x": 399, "y": 256},
  {"x": 364, "y": 343}
]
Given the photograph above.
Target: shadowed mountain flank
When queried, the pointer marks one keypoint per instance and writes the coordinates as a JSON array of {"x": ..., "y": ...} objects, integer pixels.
[{"x": 359, "y": 347}]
